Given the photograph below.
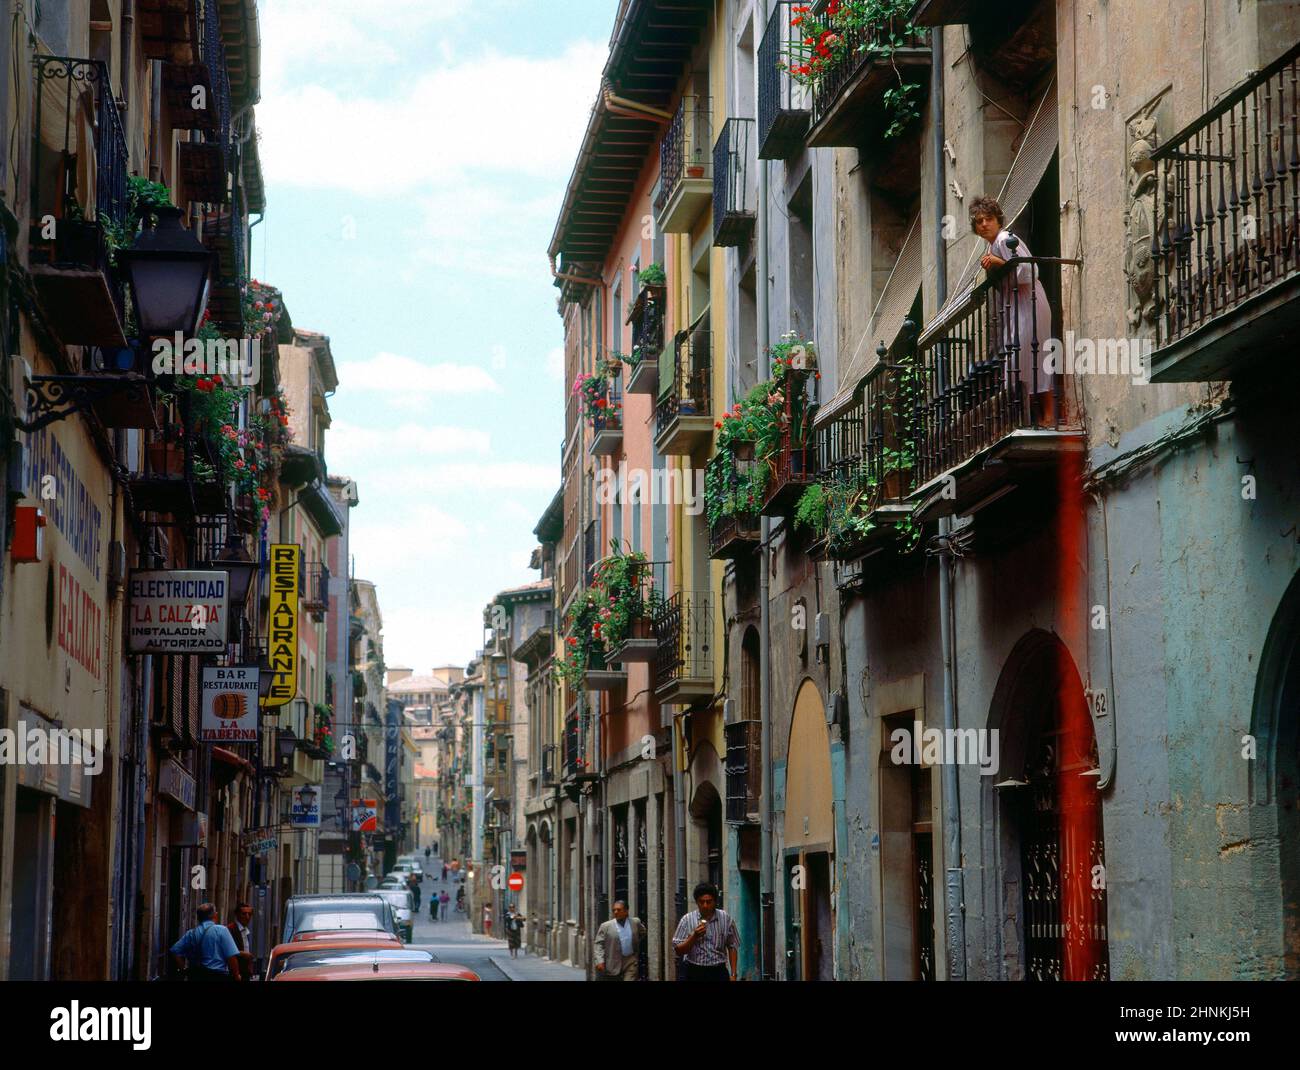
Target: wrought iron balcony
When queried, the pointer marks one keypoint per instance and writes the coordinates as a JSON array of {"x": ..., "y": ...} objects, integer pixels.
[
  {"x": 744, "y": 767},
  {"x": 684, "y": 663},
  {"x": 607, "y": 420},
  {"x": 793, "y": 466},
  {"x": 685, "y": 166},
  {"x": 197, "y": 95},
  {"x": 683, "y": 416},
  {"x": 848, "y": 99},
  {"x": 639, "y": 643},
  {"x": 574, "y": 760},
  {"x": 987, "y": 409},
  {"x": 1225, "y": 240},
  {"x": 864, "y": 461},
  {"x": 223, "y": 233},
  {"x": 647, "y": 318},
  {"x": 783, "y": 103},
  {"x": 71, "y": 253},
  {"x": 735, "y": 184},
  {"x": 591, "y": 549},
  {"x": 316, "y": 590},
  {"x": 734, "y": 531}
]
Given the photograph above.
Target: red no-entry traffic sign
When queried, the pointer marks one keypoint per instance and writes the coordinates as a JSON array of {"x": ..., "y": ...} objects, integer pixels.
[{"x": 516, "y": 882}]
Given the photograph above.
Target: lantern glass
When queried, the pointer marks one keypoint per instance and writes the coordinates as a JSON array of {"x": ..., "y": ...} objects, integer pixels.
[{"x": 168, "y": 270}]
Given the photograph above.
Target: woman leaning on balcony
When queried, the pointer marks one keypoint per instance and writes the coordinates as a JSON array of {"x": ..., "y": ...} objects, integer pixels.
[{"x": 1020, "y": 319}]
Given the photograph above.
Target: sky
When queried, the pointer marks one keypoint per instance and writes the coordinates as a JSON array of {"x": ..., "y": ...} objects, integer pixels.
[{"x": 415, "y": 154}]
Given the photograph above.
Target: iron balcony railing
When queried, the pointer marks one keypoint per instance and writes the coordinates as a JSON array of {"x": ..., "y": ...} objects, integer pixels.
[
  {"x": 736, "y": 513},
  {"x": 689, "y": 395},
  {"x": 684, "y": 630},
  {"x": 574, "y": 764},
  {"x": 212, "y": 54},
  {"x": 981, "y": 373},
  {"x": 744, "y": 767},
  {"x": 609, "y": 415},
  {"x": 868, "y": 445},
  {"x": 685, "y": 150},
  {"x": 735, "y": 183},
  {"x": 316, "y": 588},
  {"x": 792, "y": 466},
  {"x": 648, "y": 325},
  {"x": 783, "y": 104},
  {"x": 862, "y": 45},
  {"x": 1227, "y": 202},
  {"x": 62, "y": 85}
]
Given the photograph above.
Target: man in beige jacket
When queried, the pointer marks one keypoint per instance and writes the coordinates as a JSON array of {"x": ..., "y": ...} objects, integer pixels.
[{"x": 618, "y": 943}]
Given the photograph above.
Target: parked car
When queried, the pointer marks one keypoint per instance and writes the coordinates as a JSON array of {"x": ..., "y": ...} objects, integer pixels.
[
  {"x": 314, "y": 913},
  {"x": 403, "y": 904},
  {"x": 413, "y": 861},
  {"x": 347, "y": 934},
  {"x": 381, "y": 971},
  {"x": 340, "y": 953},
  {"x": 368, "y": 941}
]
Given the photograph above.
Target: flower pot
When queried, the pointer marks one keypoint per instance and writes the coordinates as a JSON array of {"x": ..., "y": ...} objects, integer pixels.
[
  {"x": 744, "y": 451},
  {"x": 695, "y": 171},
  {"x": 166, "y": 459}
]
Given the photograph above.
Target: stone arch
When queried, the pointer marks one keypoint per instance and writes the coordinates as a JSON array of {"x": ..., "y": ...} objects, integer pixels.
[
  {"x": 1048, "y": 816},
  {"x": 1275, "y": 792}
]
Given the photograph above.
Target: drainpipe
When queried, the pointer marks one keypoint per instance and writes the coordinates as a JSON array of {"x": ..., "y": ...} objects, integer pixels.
[
  {"x": 155, "y": 121},
  {"x": 127, "y": 38},
  {"x": 951, "y": 789},
  {"x": 767, "y": 887},
  {"x": 584, "y": 280}
]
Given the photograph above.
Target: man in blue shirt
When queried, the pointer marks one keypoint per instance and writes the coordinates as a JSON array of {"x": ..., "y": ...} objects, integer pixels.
[{"x": 208, "y": 949}]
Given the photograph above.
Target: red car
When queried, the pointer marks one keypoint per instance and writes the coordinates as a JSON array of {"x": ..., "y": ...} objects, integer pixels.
[
  {"x": 316, "y": 944},
  {"x": 380, "y": 971},
  {"x": 375, "y": 935}
]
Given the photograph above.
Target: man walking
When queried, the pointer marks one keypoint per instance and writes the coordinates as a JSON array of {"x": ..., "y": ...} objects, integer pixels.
[
  {"x": 706, "y": 938},
  {"x": 618, "y": 946},
  {"x": 208, "y": 949},
  {"x": 413, "y": 886},
  {"x": 243, "y": 937}
]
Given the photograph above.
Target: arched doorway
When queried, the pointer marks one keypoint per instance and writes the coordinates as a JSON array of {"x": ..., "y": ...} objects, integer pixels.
[
  {"x": 705, "y": 808},
  {"x": 1275, "y": 791},
  {"x": 1050, "y": 809},
  {"x": 809, "y": 841}
]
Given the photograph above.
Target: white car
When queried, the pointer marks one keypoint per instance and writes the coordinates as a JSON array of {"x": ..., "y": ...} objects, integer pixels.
[
  {"x": 412, "y": 862},
  {"x": 403, "y": 907}
]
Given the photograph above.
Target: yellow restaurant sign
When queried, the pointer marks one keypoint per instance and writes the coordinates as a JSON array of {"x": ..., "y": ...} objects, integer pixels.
[{"x": 282, "y": 643}]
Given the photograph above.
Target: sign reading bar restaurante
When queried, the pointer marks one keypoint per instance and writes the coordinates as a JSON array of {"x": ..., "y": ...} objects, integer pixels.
[
  {"x": 282, "y": 618},
  {"x": 229, "y": 704},
  {"x": 174, "y": 612}
]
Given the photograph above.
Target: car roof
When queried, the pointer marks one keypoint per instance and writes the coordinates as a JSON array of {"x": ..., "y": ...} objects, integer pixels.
[
  {"x": 381, "y": 971},
  {"x": 350, "y": 898},
  {"x": 330, "y": 941},
  {"x": 375, "y": 935}
]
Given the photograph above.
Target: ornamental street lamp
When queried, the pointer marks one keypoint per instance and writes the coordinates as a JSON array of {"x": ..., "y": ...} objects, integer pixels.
[
  {"x": 167, "y": 268},
  {"x": 236, "y": 561}
]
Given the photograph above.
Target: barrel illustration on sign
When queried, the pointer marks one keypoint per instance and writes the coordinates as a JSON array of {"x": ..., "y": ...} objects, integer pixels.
[
  {"x": 229, "y": 704},
  {"x": 282, "y": 643}
]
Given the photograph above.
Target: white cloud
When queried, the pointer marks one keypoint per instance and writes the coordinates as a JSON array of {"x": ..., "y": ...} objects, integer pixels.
[
  {"x": 448, "y": 476},
  {"x": 395, "y": 374},
  {"x": 486, "y": 113},
  {"x": 349, "y": 442}
]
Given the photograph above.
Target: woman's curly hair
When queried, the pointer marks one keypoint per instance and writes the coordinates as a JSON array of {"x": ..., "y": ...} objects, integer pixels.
[{"x": 986, "y": 206}]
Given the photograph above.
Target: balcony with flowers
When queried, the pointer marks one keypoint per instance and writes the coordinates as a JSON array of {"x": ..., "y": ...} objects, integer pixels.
[
  {"x": 601, "y": 397},
  {"x": 865, "y": 456},
  {"x": 646, "y": 317},
  {"x": 609, "y": 623},
  {"x": 864, "y": 65},
  {"x": 787, "y": 448}
]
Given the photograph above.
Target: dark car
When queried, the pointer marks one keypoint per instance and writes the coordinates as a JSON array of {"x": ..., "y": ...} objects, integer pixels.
[{"x": 318, "y": 913}]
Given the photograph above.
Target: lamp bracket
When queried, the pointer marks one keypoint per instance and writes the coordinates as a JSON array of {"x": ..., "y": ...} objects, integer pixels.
[{"x": 51, "y": 398}]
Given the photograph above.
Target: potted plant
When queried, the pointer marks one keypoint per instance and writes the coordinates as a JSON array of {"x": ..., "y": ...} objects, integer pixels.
[
  {"x": 166, "y": 457},
  {"x": 652, "y": 275}
]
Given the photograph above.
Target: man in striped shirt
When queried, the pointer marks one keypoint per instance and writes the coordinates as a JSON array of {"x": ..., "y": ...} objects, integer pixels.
[{"x": 706, "y": 938}]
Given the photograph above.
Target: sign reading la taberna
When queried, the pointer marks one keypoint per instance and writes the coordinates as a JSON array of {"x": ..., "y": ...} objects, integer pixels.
[
  {"x": 177, "y": 612},
  {"x": 229, "y": 704}
]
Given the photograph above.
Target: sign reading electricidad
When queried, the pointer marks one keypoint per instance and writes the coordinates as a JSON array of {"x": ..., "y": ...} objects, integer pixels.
[
  {"x": 229, "y": 704},
  {"x": 282, "y": 641},
  {"x": 178, "y": 612}
]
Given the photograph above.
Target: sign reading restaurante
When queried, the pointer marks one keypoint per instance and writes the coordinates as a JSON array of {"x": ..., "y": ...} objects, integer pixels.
[{"x": 282, "y": 645}]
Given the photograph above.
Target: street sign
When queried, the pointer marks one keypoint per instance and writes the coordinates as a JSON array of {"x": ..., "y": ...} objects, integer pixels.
[
  {"x": 229, "y": 694},
  {"x": 516, "y": 882}
]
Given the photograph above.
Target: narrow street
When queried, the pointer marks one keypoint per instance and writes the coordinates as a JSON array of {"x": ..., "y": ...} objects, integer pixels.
[{"x": 452, "y": 941}]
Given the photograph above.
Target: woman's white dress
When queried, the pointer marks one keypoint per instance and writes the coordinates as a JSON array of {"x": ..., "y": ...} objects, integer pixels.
[{"x": 1022, "y": 321}]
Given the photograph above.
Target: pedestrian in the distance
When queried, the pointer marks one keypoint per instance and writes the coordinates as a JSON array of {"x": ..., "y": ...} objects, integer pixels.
[
  {"x": 618, "y": 946},
  {"x": 487, "y": 920},
  {"x": 208, "y": 949},
  {"x": 426, "y": 854},
  {"x": 706, "y": 938},
  {"x": 444, "y": 900},
  {"x": 433, "y": 907},
  {"x": 444, "y": 872},
  {"x": 514, "y": 930}
]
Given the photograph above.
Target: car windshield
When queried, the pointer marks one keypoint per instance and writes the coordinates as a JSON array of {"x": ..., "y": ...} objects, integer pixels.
[
  {"x": 314, "y": 921},
  {"x": 297, "y": 960}
]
